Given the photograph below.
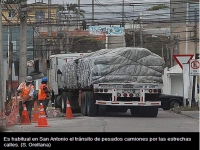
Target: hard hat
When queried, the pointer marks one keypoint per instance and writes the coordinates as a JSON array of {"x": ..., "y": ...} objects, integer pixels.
[
  {"x": 44, "y": 79},
  {"x": 29, "y": 79}
]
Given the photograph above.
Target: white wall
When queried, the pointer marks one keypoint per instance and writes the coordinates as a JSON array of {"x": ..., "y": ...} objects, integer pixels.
[{"x": 177, "y": 84}]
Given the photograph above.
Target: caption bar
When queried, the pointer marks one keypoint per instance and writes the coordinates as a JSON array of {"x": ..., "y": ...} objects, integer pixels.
[{"x": 47, "y": 141}]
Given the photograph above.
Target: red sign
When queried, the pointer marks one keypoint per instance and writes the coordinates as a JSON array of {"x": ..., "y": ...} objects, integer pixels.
[
  {"x": 195, "y": 64},
  {"x": 182, "y": 58}
]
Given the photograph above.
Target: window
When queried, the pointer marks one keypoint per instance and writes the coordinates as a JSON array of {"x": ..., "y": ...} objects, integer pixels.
[
  {"x": 11, "y": 13},
  {"x": 39, "y": 16}
]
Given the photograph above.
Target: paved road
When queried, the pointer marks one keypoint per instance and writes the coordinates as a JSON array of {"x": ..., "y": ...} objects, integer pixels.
[{"x": 166, "y": 121}]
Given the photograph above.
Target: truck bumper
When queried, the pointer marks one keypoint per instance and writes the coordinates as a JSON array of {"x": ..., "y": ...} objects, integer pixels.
[{"x": 129, "y": 103}]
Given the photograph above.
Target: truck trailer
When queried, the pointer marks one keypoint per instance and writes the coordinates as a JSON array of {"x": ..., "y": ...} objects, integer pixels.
[{"x": 108, "y": 80}]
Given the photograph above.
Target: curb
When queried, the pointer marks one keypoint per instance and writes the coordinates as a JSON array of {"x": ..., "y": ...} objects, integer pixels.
[
  {"x": 182, "y": 113},
  {"x": 189, "y": 116}
]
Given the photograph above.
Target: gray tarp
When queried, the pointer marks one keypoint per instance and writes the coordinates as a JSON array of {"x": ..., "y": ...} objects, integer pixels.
[{"x": 126, "y": 64}]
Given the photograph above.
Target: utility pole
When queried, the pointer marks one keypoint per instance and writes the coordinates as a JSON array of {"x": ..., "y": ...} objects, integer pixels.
[
  {"x": 123, "y": 13},
  {"x": 92, "y": 12},
  {"x": 141, "y": 40},
  {"x": 48, "y": 51},
  {"x": 78, "y": 14},
  {"x": 67, "y": 47},
  {"x": 10, "y": 62},
  {"x": 195, "y": 48},
  {"x": 2, "y": 89},
  {"x": 133, "y": 28},
  {"x": 23, "y": 42},
  {"x": 49, "y": 29}
]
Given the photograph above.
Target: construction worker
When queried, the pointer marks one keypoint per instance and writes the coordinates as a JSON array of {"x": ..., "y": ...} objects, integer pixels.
[
  {"x": 26, "y": 90},
  {"x": 44, "y": 94}
]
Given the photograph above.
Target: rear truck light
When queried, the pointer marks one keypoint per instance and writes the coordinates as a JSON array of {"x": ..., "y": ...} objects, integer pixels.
[
  {"x": 125, "y": 95},
  {"x": 150, "y": 90},
  {"x": 131, "y": 95},
  {"x": 155, "y": 90},
  {"x": 105, "y": 90},
  {"x": 96, "y": 90},
  {"x": 114, "y": 98},
  {"x": 159, "y": 91},
  {"x": 118, "y": 94},
  {"x": 101, "y": 90}
]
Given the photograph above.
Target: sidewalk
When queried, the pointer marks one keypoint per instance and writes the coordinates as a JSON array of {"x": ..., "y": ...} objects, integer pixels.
[{"x": 193, "y": 114}]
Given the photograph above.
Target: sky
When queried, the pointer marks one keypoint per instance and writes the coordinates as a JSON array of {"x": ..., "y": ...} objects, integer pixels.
[{"x": 110, "y": 9}]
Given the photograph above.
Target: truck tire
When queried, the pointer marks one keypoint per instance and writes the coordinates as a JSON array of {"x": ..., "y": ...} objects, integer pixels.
[
  {"x": 174, "y": 104},
  {"x": 153, "y": 111},
  {"x": 91, "y": 106},
  {"x": 134, "y": 111},
  {"x": 57, "y": 101},
  {"x": 102, "y": 110},
  {"x": 143, "y": 111},
  {"x": 63, "y": 102},
  {"x": 83, "y": 104}
]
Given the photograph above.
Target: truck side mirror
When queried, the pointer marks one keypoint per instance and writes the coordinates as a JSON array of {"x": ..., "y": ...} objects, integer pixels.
[
  {"x": 59, "y": 72},
  {"x": 48, "y": 63}
]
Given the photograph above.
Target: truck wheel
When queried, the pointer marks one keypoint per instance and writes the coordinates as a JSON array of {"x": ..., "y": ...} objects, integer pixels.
[
  {"x": 143, "y": 111},
  {"x": 135, "y": 111},
  {"x": 153, "y": 111},
  {"x": 83, "y": 104},
  {"x": 63, "y": 102},
  {"x": 91, "y": 106},
  {"x": 57, "y": 101},
  {"x": 174, "y": 104},
  {"x": 102, "y": 110}
]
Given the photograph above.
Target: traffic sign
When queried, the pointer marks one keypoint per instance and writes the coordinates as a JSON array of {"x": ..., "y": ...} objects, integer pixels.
[
  {"x": 182, "y": 58},
  {"x": 194, "y": 67}
]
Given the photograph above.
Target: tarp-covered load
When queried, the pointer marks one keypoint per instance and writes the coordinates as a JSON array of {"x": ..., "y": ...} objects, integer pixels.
[{"x": 126, "y": 64}]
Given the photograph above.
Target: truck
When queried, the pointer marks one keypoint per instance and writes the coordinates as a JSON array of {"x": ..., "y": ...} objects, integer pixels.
[{"x": 117, "y": 91}]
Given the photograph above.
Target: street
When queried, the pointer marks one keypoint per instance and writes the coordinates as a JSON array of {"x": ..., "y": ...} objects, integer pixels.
[{"x": 166, "y": 121}]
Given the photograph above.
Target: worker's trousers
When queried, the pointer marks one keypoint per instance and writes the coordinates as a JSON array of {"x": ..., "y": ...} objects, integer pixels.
[{"x": 29, "y": 106}]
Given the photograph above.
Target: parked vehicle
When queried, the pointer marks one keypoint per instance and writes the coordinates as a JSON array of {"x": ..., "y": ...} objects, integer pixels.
[
  {"x": 170, "y": 101},
  {"x": 107, "y": 80}
]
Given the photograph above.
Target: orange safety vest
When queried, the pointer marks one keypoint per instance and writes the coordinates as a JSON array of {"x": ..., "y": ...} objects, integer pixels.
[
  {"x": 25, "y": 90},
  {"x": 41, "y": 93}
]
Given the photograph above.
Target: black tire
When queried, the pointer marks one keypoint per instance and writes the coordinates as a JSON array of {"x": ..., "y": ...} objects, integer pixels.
[
  {"x": 143, "y": 111},
  {"x": 134, "y": 111},
  {"x": 84, "y": 104},
  {"x": 57, "y": 101},
  {"x": 63, "y": 102},
  {"x": 166, "y": 108},
  {"x": 91, "y": 106},
  {"x": 152, "y": 111},
  {"x": 102, "y": 110},
  {"x": 174, "y": 104}
]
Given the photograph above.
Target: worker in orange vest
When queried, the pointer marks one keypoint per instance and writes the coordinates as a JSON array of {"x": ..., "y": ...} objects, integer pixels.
[
  {"x": 44, "y": 94},
  {"x": 26, "y": 90}
]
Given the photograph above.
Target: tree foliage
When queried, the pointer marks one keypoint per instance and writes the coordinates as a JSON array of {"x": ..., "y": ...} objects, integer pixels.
[
  {"x": 12, "y": 1},
  {"x": 83, "y": 44},
  {"x": 73, "y": 8},
  {"x": 157, "y": 7}
]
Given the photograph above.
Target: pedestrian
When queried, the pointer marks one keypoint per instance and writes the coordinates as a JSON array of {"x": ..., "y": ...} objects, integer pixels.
[
  {"x": 84, "y": 24},
  {"x": 44, "y": 94},
  {"x": 26, "y": 90}
]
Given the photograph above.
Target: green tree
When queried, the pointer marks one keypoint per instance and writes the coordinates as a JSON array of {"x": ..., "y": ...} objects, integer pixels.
[
  {"x": 157, "y": 7},
  {"x": 74, "y": 8},
  {"x": 12, "y": 1}
]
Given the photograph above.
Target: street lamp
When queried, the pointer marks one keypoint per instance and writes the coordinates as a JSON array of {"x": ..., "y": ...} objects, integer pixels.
[{"x": 161, "y": 41}]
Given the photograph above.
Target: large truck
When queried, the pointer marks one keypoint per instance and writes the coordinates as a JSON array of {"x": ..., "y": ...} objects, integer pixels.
[{"x": 132, "y": 85}]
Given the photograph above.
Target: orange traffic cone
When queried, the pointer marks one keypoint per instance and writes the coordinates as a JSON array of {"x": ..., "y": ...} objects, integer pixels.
[
  {"x": 42, "y": 120},
  {"x": 25, "y": 118},
  {"x": 68, "y": 111},
  {"x": 35, "y": 112}
]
